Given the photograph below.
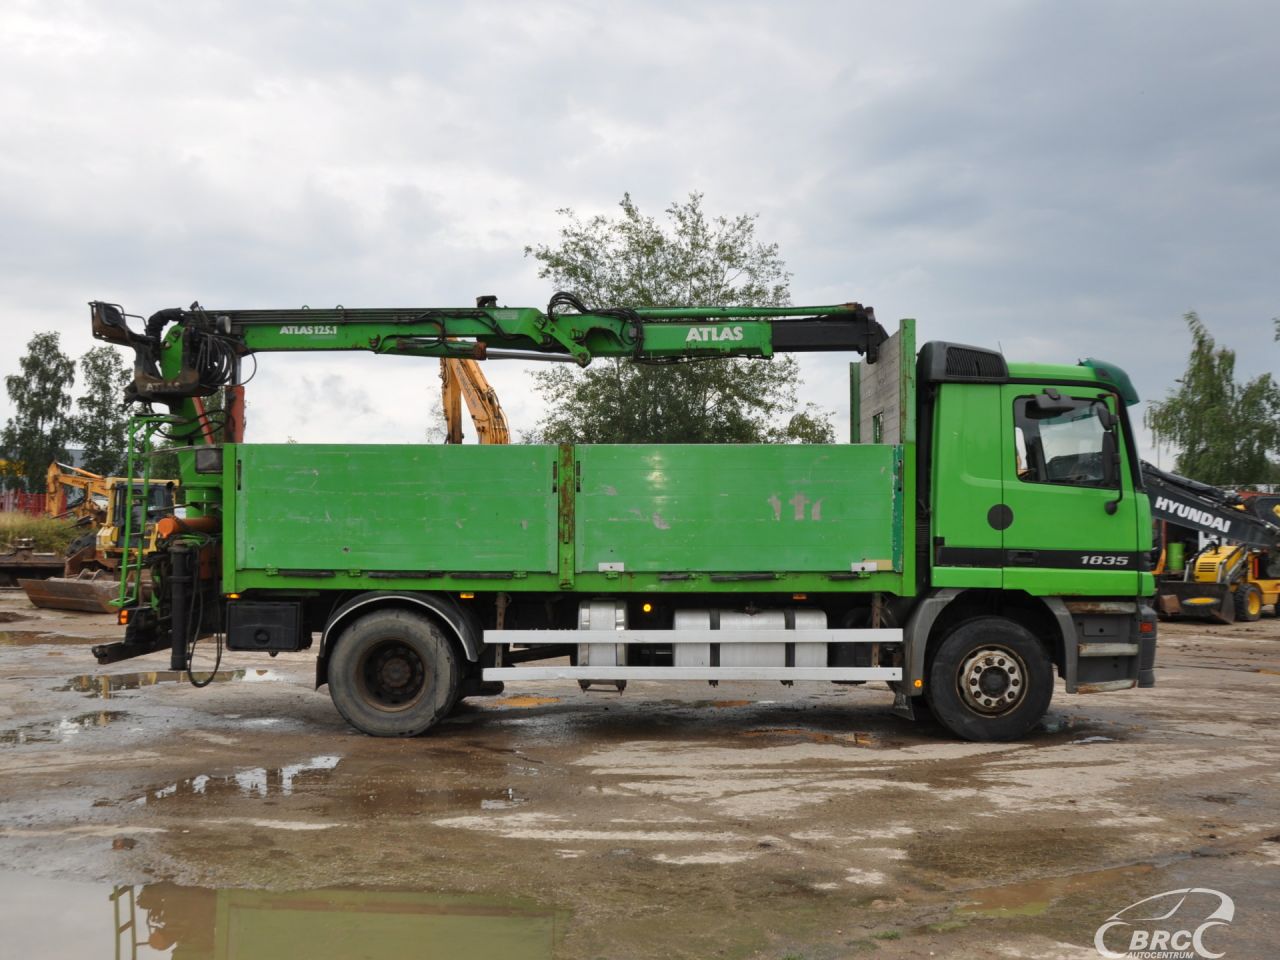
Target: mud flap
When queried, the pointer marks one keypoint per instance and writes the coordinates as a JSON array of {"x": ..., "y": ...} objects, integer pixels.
[{"x": 902, "y": 704}]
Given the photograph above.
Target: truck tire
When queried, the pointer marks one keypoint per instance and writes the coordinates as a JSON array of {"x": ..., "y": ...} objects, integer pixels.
[
  {"x": 1248, "y": 600},
  {"x": 990, "y": 679},
  {"x": 393, "y": 673}
]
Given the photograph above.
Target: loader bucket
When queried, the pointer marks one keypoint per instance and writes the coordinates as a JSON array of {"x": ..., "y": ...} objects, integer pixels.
[
  {"x": 88, "y": 593},
  {"x": 1212, "y": 602}
]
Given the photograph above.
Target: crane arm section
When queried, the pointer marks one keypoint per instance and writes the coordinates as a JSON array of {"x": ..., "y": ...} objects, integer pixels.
[{"x": 202, "y": 348}]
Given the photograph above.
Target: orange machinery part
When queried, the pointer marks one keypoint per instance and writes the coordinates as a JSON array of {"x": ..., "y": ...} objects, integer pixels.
[{"x": 168, "y": 526}]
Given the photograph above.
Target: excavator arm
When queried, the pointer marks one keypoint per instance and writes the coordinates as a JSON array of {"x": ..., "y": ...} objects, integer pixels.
[
  {"x": 463, "y": 380},
  {"x": 94, "y": 490},
  {"x": 1218, "y": 513}
]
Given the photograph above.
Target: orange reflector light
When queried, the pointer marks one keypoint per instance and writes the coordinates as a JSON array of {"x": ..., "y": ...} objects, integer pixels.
[
  {"x": 919, "y": 684},
  {"x": 122, "y": 617},
  {"x": 233, "y": 596},
  {"x": 467, "y": 596},
  {"x": 647, "y": 608},
  {"x": 1147, "y": 626},
  {"x": 799, "y": 596}
]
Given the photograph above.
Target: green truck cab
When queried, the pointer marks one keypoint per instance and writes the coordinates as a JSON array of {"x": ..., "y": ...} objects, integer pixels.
[{"x": 985, "y": 528}]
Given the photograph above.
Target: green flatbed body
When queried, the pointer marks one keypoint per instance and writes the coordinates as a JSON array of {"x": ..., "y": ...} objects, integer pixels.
[{"x": 651, "y": 517}]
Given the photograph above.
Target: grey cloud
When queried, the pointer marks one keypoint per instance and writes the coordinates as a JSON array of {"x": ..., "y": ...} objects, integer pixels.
[{"x": 1063, "y": 179}]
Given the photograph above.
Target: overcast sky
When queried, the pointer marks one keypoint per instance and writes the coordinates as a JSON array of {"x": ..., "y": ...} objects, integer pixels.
[{"x": 1062, "y": 179}]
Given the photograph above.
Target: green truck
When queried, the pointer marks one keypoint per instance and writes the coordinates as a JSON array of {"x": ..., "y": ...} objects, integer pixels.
[{"x": 985, "y": 527}]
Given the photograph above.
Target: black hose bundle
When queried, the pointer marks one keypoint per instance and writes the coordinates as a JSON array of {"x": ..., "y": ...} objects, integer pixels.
[{"x": 632, "y": 333}]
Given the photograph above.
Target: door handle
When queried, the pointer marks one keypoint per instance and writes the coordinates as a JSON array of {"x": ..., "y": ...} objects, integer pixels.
[{"x": 1023, "y": 558}]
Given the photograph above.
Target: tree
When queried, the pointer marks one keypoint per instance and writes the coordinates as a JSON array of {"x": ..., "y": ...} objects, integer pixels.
[
  {"x": 100, "y": 424},
  {"x": 1225, "y": 431},
  {"x": 38, "y": 432},
  {"x": 631, "y": 260}
]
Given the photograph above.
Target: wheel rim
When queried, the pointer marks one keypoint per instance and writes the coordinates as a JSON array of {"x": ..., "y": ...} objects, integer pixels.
[
  {"x": 1253, "y": 603},
  {"x": 992, "y": 681},
  {"x": 392, "y": 676}
]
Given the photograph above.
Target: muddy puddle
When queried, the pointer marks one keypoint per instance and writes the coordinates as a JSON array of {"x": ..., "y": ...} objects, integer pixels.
[
  {"x": 316, "y": 775},
  {"x": 855, "y": 738},
  {"x": 105, "y": 686},
  {"x": 523, "y": 702},
  {"x": 59, "y": 920},
  {"x": 260, "y": 782},
  {"x": 34, "y": 638},
  {"x": 1034, "y": 897},
  {"x": 61, "y": 730}
]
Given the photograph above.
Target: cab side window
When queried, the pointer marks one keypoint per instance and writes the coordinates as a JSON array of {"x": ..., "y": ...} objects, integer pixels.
[{"x": 1060, "y": 447}]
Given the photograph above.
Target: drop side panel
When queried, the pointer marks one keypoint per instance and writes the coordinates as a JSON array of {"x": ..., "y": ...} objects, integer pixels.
[
  {"x": 395, "y": 508},
  {"x": 721, "y": 508}
]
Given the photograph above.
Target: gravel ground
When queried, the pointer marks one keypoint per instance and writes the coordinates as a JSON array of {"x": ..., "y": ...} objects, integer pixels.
[{"x": 746, "y": 820}]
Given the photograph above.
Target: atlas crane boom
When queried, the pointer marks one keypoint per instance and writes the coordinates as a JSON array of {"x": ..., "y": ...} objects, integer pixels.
[{"x": 201, "y": 351}]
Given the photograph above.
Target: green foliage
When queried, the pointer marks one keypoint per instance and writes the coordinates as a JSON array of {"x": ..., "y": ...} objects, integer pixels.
[
  {"x": 48, "y": 535},
  {"x": 632, "y": 260},
  {"x": 99, "y": 423},
  {"x": 38, "y": 432},
  {"x": 1226, "y": 431}
]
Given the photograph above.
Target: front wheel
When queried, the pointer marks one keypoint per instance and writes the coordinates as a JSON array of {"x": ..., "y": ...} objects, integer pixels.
[
  {"x": 990, "y": 680},
  {"x": 1248, "y": 601},
  {"x": 393, "y": 674}
]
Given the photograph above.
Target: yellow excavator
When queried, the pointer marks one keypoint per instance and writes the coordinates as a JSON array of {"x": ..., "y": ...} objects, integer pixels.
[
  {"x": 461, "y": 379},
  {"x": 73, "y": 493},
  {"x": 1219, "y": 553},
  {"x": 89, "y": 574}
]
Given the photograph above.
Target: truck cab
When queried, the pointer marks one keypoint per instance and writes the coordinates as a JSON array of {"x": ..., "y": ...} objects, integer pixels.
[{"x": 1035, "y": 515}]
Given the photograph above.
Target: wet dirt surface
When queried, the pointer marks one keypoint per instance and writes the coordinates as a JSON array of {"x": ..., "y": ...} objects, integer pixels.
[{"x": 749, "y": 820}]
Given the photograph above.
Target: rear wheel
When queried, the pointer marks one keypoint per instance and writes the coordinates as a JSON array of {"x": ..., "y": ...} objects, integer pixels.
[
  {"x": 393, "y": 674},
  {"x": 990, "y": 680},
  {"x": 1248, "y": 601}
]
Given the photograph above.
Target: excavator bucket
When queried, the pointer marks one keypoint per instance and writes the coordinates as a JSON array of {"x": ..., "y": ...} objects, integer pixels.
[
  {"x": 91, "y": 592},
  {"x": 1213, "y": 602}
]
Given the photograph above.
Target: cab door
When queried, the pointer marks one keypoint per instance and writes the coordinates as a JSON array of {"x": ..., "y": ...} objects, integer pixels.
[
  {"x": 967, "y": 486},
  {"x": 1071, "y": 514}
]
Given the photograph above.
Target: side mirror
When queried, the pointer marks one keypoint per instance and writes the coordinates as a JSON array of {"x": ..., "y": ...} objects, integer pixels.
[
  {"x": 1111, "y": 462},
  {"x": 1110, "y": 459}
]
